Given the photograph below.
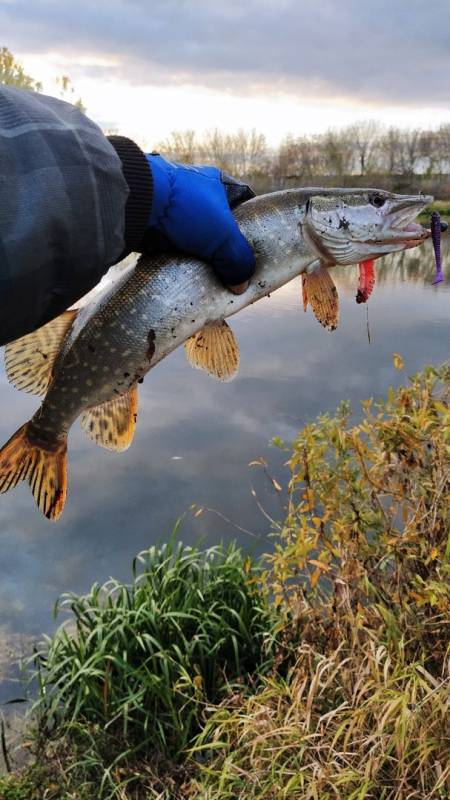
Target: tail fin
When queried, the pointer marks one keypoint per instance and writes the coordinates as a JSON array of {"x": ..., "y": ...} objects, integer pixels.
[{"x": 45, "y": 468}]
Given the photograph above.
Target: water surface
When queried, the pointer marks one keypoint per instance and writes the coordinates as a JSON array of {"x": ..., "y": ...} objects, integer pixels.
[{"x": 195, "y": 438}]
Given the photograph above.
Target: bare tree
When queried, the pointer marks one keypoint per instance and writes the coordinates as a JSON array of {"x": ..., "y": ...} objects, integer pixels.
[
  {"x": 442, "y": 162},
  {"x": 247, "y": 152},
  {"x": 215, "y": 149},
  {"x": 395, "y": 157},
  {"x": 179, "y": 146},
  {"x": 287, "y": 158},
  {"x": 365, "y": 137},
  {"x": 337, "y": 152},
  {"x": 410, "y": 150},
  {"x": 390, "y": 148}
]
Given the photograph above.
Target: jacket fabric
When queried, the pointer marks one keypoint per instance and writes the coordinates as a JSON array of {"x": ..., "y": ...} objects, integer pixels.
[{"x": 71, "y": 204}]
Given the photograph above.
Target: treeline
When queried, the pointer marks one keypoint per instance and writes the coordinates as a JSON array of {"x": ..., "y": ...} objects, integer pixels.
[{"x": 364, "y": 153}]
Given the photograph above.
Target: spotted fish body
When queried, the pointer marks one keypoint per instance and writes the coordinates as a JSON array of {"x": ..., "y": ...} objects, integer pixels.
[
  {"x": 99, "y": 355},
  {"x": 153, "y": 308}
]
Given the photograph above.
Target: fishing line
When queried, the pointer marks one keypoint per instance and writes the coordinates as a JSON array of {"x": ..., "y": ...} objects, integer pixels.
[{"x": 367, "y": 323}]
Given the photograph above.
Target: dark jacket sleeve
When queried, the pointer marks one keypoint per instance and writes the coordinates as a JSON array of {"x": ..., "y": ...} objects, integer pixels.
[{"x": 71, "y": 204}]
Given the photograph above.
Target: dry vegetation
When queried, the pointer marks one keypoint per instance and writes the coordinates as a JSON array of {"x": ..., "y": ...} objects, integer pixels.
[{"x": 359, "y": 706}]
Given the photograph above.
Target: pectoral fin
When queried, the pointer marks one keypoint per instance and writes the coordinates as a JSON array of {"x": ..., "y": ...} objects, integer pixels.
[
  {"x": 319, "y": 291},
  {"x": 29, "y": 361},
  {"x": 215, "y": 350},
  {"x": 112, "y": 424}
]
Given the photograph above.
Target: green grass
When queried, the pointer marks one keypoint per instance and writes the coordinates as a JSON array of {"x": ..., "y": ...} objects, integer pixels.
[
  {"x": 442, "y": 206},
  {"x": 146, "y": 657},
  {"x": 34, "y": 783}
]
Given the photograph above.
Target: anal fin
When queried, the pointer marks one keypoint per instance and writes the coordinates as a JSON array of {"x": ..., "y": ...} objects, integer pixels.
[
  {"x": 29, "y": 361},
  {"x": 215, "y": 350},
  {"x": 320, "y": 292},
  {"x": 112, "y": 424}
]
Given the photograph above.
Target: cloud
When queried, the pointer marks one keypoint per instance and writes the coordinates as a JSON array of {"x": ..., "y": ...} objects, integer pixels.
[{"x": 389, "y": 51}]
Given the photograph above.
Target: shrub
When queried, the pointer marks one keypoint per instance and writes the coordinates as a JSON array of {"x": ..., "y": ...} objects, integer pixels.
[
  {"x": 145, "y": 658},
  {"x": 361, "y": 577}
]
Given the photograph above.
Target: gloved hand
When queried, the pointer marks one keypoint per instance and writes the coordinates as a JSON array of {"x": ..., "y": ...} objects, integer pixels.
[{"x": 191, "y": 210}]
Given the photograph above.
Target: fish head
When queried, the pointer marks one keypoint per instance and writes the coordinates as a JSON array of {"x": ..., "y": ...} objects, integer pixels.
[{"x": 346, "y": 226}]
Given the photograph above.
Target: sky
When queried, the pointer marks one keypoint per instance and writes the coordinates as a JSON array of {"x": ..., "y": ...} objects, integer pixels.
[{"x": 147, "y": 67}]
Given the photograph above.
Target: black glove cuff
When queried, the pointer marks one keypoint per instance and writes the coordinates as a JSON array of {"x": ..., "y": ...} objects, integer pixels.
[
  {"x": 138, "y": 176},
  {"x": 237, "y": 191}
]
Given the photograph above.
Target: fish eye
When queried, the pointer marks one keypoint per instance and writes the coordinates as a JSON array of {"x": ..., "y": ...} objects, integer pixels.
[{"x": 377, "y": 200}]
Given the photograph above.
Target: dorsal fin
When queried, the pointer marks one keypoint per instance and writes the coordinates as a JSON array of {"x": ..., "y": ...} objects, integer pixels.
[
  {"x": 215, "y": 350},
  {"x": 112, "y": 424},
  {"x": 29, "y": 361},
  {"x": 320, "y": 292}
]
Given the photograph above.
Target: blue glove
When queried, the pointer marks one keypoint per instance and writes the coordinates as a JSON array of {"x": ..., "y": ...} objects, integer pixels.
[{"x": 191, "y": 210}]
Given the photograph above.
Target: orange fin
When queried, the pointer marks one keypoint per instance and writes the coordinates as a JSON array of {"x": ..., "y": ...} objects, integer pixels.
[
  {"x": 320, "y": 292},
  {"x": 215, "y": 350},
  {"x": 29, "y": 361},
  {"x": 44, "y": 468},
  {"x": 304, "y": 291},
  {"x": 366, "y": 280},
  {"x": 112, "y": 424}
]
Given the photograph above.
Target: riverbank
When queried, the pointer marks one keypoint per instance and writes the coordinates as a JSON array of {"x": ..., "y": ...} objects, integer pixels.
[
  {"x": 442, "y": 206},
  {"x": 323, "y": 671}
]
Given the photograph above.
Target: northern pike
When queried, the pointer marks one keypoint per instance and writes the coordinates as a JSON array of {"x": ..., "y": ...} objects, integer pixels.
[{"x": 89, "y": 362}]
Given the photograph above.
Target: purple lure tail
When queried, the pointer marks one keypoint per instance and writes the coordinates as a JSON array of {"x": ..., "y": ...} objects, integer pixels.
[{"x": 436, "y": 239}]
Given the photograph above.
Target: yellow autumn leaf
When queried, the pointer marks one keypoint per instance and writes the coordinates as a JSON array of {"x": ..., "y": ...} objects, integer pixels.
[
  {"x": 278, "y": 599},
  {"x": 398, "y": 361},
  {"x": 319, "y": 564},
  {"x": 315, "y": 577},
  {"x": 198, "y": 681}
]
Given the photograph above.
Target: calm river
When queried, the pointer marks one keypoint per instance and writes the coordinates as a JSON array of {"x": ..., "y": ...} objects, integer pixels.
[{"x": 195, "y": 438}]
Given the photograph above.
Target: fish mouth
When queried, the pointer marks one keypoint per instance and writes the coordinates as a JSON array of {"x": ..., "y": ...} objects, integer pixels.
[
  {"x": 401, "y": 227},
  {"x": 419, "y": 234},
  {"x": 411, "y": 234}
]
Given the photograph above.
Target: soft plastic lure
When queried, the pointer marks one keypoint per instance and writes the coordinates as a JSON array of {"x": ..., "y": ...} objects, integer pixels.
[
  {"x": 366, "y": 280},
  {"x": 436, "y": 227}
]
